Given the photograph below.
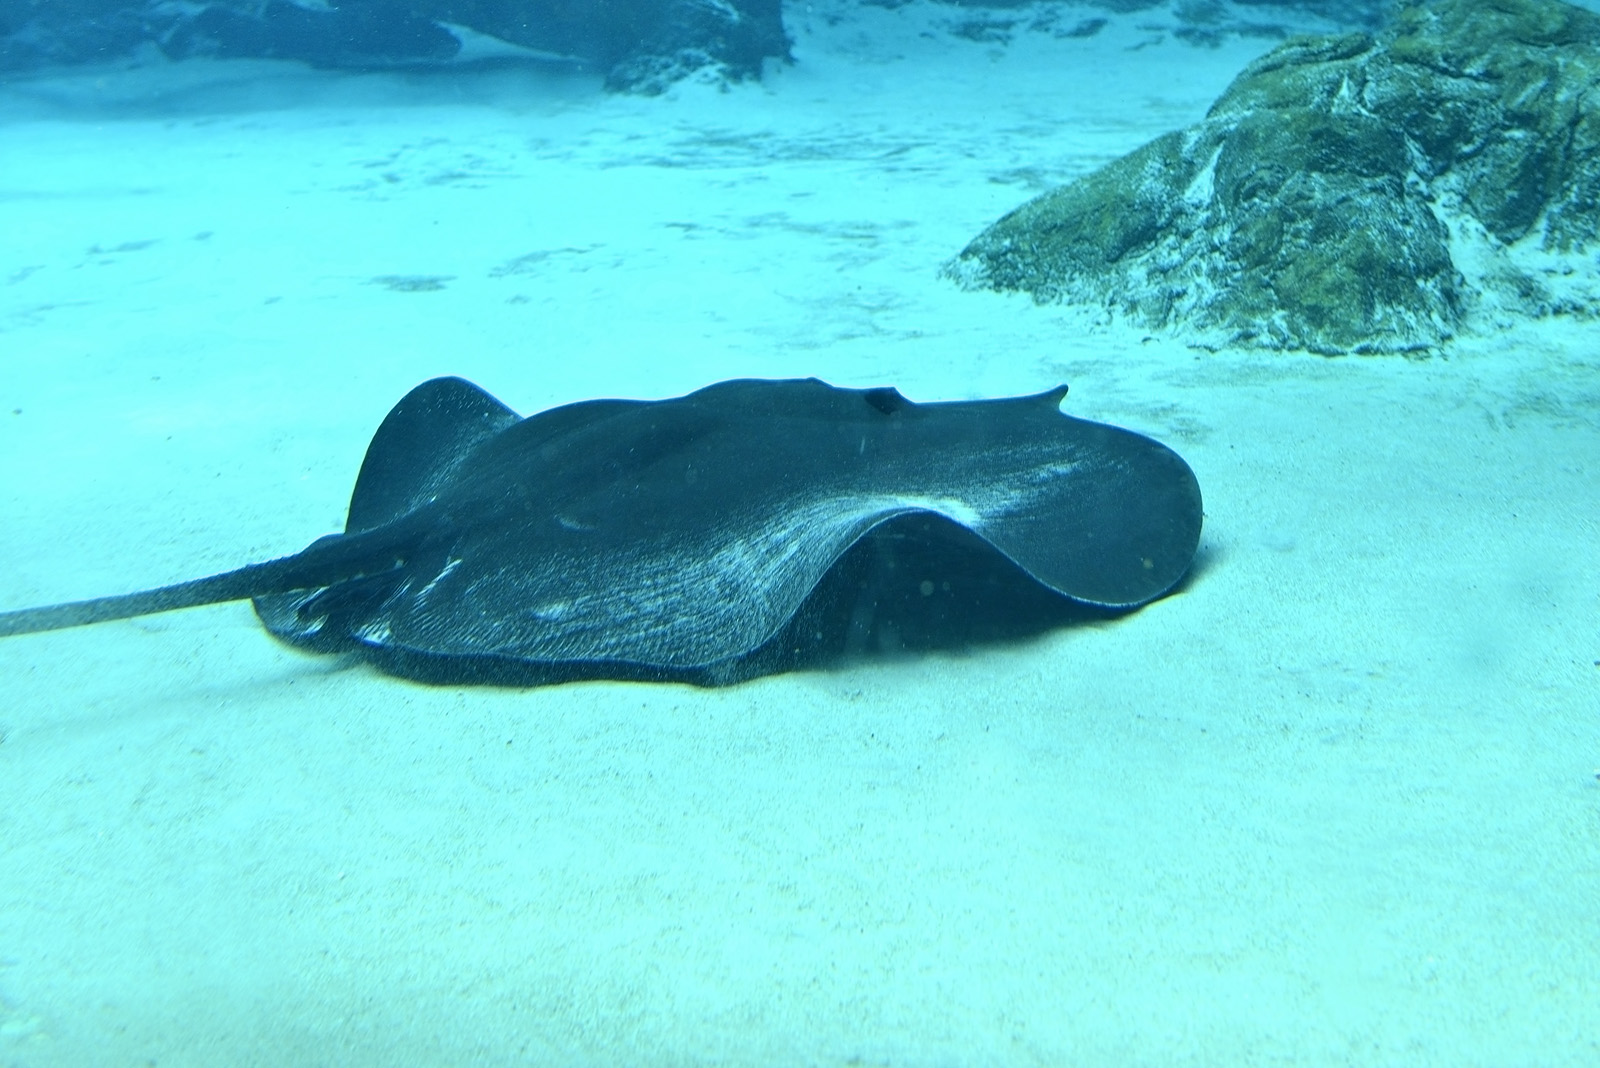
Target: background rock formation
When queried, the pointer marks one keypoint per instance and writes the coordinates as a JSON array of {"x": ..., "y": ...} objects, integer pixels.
[
  {"x": 1345, "y": 194},
  {"x": 642, "y": 45}
]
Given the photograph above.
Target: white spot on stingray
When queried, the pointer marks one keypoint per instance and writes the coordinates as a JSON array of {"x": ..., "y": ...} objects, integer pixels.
[
  {"x": 376, "y": 633},
  {"x": 422, "y": 594},
  {"x": 551, "y": 611}
]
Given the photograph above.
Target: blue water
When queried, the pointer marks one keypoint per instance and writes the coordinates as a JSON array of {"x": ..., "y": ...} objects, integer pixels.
[{"x": 1335, "y": 801}]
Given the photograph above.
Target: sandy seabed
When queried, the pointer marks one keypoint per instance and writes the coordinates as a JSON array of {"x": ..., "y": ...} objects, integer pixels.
[{"x": 1335, "y": 802}]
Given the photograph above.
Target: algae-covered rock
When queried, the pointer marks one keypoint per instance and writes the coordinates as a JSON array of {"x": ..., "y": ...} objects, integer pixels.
[{"x": 1345, "y": 194}]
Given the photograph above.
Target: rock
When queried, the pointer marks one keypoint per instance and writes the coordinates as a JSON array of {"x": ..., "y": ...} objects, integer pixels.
[
  {"x": 353, "y": 37},
  {"x": 641, "y": 45},
  {"x": 1351, "y": 193}
]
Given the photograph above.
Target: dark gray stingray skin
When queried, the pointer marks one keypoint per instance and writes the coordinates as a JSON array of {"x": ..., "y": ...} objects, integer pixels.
[{"x": 675, "y": 538}]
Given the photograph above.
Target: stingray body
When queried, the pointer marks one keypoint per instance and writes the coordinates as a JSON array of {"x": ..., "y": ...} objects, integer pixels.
[{"x": 677, "y": 538}]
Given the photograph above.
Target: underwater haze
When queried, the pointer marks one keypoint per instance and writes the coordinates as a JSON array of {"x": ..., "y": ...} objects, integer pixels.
[{"x": 1332, "y": 800}]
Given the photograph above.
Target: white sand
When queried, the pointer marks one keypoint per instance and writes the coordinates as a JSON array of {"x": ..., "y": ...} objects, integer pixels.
[{"x": 1335, "y": 803}]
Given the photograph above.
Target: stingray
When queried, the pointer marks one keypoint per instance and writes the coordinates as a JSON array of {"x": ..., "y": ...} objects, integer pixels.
[{"x": 687, "y": 538}]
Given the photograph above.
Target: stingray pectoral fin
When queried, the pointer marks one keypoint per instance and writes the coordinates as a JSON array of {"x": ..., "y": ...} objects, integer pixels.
[
  {"x": 1117, "y": 526},
  {"x": 420, "y": 447},
  {"x": 326, "y": 562}
]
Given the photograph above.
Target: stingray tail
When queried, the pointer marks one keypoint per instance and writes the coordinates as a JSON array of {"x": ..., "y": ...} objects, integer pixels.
[
  {"x": 228, "y": 586},
  {"x": 336, "y": 558}
]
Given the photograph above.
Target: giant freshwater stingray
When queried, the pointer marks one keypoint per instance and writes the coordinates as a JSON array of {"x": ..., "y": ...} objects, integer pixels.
[{"x": 693, "y": 538}]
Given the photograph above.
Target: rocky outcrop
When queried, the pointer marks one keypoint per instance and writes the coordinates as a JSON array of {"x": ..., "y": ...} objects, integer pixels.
[
  {"x": 641, "y": 45},
  {"x": 353, "y": 35},
  {"x": 1345, "y": 194}
]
